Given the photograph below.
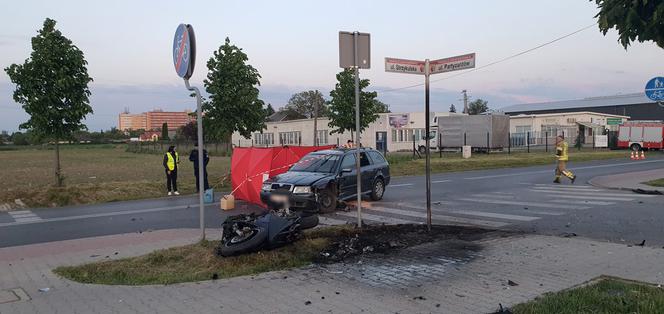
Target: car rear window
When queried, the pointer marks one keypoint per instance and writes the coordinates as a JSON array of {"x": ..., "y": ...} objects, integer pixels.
[{"x": 377, "y": 157}]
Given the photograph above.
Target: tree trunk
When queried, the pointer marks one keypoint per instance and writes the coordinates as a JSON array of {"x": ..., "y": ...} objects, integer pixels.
[{"x": 58, "y": 175}]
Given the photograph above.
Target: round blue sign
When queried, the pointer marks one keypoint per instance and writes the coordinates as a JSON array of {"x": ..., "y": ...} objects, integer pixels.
[
  {"x": 655, "y": 89},
  {"x": 184, "y": 52}
]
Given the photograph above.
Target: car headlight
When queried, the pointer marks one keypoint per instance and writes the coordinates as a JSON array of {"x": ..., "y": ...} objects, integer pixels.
[
  {"x": 302, "y": 190},
  {"x": 267, "y": 186}
]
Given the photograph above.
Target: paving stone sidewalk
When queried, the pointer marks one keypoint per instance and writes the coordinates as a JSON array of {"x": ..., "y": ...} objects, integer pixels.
[
  {"x": 630, "y": 180},
  {"x": 449, "y": 277}
]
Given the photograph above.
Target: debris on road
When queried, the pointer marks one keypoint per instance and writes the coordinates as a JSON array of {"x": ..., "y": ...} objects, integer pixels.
[
  {"x": 307, "y": 303},
  {"x": 512, "y": 283},
  {"x": 419, "y": 298},
  {"x": 568, "y": 234},
  {"x": 44, "y": 289},
  {"x": 215, "y": 276}
]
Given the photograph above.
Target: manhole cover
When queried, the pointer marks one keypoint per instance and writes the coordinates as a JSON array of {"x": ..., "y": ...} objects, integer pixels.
[{"x": 13, "y": 295}]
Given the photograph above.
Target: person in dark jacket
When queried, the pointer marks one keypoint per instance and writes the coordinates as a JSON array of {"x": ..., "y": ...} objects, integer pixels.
[
  {"x": 171, "y": 161},
  {"x": 193, "y": 157}
]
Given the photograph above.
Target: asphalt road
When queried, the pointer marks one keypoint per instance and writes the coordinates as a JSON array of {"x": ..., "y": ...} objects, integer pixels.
[{"x": 517, "y": 198}]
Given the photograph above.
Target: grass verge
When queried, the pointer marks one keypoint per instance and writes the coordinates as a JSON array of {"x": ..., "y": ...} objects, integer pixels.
[
  {"x": 608, "y": 295},
  {"x": 657, "y": 183}
]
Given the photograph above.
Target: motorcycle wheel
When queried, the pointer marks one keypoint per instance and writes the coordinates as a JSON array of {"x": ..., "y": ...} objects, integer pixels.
[
  {"x": 252, "y": 242},
  {"x": 308, "y": 222}
]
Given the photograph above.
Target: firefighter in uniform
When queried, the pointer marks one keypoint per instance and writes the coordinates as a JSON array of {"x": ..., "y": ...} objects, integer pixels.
[{"x": 563, "y": 156}]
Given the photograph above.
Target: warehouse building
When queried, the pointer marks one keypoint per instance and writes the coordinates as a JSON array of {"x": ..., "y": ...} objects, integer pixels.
[
  {"x": 636, "y": 106},
  {"x": 153, "y": 120}
]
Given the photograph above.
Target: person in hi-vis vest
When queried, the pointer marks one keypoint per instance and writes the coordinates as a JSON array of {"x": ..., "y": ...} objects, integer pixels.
[
  {"x": 171, "y": 161},
  {"x": 563, "y": 156}
]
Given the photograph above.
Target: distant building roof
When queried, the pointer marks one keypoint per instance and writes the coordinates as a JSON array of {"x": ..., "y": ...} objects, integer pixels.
[
  {"x": 619, "y": 100},
  {"x": 285, "y": 115}
]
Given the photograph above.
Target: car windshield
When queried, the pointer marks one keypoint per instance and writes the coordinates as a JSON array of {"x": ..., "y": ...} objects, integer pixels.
[{"x": 316, "y": 163}]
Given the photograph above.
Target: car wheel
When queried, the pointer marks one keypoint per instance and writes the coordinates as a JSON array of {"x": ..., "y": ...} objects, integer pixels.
[
  {"x": 308, "y": 221},
  {"x": 378, "y": 190},
  {"x": 327, "y": 201}
]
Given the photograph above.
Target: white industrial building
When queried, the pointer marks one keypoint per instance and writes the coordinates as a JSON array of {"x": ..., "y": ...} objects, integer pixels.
[{"x": 391, "y": 132}]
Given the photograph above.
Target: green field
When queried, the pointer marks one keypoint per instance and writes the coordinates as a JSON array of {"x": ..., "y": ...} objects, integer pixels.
[
  {"x": 657, "y": 183},
  {"x": 105, "y": 173},
  {"x": 94, "y": 174}
]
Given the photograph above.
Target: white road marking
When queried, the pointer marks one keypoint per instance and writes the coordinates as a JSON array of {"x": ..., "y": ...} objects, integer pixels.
[
  {"x": 563, "y": 186},
  {"x": 570, "y": 188},
  {"x": 381, "y": 219},
  {"x": 530, "y": 204},
  {"x": 592, "y": 193},
  {"x": 330, "y": 221},
  {"x": 398, "y": 185},
  {"x": 551, "y": 171},
  {"x": 494, "y": 195},
  {"x": 460, "y": 220},
  {"x": 582, "y": 202},
  {"x": 21, "y": 216},
  {"x": 441, "y": 181},
  {"x": 600, "y": 198},
  {"x": 128, "y": 212},
  {"x": 495, "y": 215}
]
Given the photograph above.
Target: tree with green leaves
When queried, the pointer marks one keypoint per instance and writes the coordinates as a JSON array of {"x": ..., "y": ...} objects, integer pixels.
[
  {"x": 233, "y": 104},
  {"x": 342, "y": 104},
  {"x": 635, "y": 20},
  {"x": 269, "y": 110},
  {"x": 164, "y": 132},
  {"x": 452, "y": 108},
  {"x": 382, "y": 107},
  {"x": 310, "y": 104},
  {"x": 52, "y": 86},
  {"x": 478, "y": 106}
]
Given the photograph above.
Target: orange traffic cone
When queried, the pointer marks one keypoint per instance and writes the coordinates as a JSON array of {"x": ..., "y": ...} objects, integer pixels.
[
  {"x": 643, "y": 155},
  {"x": 633, "y": 157}
]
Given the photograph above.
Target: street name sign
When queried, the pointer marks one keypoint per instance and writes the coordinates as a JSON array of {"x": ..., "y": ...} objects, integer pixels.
[
  {"x": 404, "y": 66},
  {"x": 184, "y": 50},
  {"x": 655, "y": 89},
  {"x": 462, "y": 62}
]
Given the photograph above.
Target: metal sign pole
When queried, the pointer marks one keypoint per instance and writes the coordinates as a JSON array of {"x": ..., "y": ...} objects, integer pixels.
[
  {"x": 357, "y": 130},
  {"x": 427, "y": 72},
  {"x": 201, "y": 160}
]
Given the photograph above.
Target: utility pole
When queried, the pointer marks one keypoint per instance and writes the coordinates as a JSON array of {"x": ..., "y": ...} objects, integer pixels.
[
  {"x": 465, "y": 101},
  {"x": 315, "y": 123}
]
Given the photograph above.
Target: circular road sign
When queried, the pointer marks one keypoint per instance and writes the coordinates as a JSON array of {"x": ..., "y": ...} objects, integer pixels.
[
  {"x": 655, "y": 89},
  {"x": 184, "y": 51}
]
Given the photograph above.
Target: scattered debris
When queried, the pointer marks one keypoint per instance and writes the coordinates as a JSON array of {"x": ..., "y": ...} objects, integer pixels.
[
  {"x": 307, "y": 303},
  {"x": 285, "y": 277},
  {"x": 641, "y": 244},
  {"x": 460, "y": 295},
  {"x": 436, "y": 203},
  {"x": 322, "y": 298},
  {"x": 502, "y": 310},
  {"x": 337, "y": 292},
  {"x": 95, "y": 255},
  {"x": 512, "y": 283},
  {"x": 438, "y": 305},
  {"x": 526, "y": 208},
  {"x": 215, "y": 276},
  {"x": 133, "y": 219},
  {"x": 44, "y": 289},
  {"x": 419, "y": 298},
  {"x": 116, "y": 253},
  {"x": 568, "y": 234}
]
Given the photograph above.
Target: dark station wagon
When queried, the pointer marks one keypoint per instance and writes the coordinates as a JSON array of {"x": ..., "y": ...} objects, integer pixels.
[{"x": 321, "y": 179}]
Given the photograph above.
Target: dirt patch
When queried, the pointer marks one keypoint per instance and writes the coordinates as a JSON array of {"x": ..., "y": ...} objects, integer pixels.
[{"x": 384, "y": 239}]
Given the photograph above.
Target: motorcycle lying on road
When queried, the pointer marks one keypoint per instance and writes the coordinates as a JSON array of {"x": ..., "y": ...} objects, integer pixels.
[{"x": 277, "y": 227}]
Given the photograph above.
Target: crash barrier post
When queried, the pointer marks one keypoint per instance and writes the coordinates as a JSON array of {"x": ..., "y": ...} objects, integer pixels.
[
  {"x": 509, "y": 143},
  {"x": 546, "y": 141},
  {"x": 528, "y": 141}
]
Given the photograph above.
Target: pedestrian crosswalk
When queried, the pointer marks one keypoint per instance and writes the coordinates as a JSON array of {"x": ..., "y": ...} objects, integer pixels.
[
  {"x": 23, "y": 216},
  {"x": 490, "y": 209}
]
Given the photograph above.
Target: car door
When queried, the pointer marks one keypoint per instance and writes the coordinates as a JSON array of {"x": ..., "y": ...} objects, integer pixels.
[
  {"x": 348, "y": 179},
  {"x": 368, "y": 172}
]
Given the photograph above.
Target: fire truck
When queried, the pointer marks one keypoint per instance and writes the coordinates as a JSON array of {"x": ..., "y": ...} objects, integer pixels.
[{"x": 638, "y": 135}]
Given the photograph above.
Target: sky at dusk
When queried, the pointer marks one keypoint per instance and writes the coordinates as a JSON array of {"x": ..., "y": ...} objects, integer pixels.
[{"x": 294, "y": 45}]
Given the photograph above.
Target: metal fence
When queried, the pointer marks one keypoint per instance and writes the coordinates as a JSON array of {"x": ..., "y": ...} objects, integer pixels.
[{"x": 159, "y": 147}]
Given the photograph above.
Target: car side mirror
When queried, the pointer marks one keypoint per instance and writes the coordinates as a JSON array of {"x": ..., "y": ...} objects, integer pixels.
[{"x": 346, "y": 170}]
